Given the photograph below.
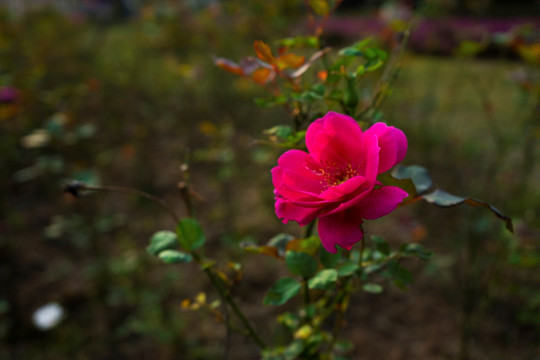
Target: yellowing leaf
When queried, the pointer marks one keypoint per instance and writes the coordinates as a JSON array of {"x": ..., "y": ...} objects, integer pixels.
[
  {"x": 290, "y": 61},
  {"x": 264, "y": 250},
  {"x": 264, "y": 52},
  {"x": 263, "y": 75},
  {"x": 304, "y": 332},
  {"x": 186, "y": 304},
  {"x": 208, "y": 128},
  {"x": 530, "y": 53},
  {"x": 201, "y": 298},
  {"x": 320, "y": 7}
]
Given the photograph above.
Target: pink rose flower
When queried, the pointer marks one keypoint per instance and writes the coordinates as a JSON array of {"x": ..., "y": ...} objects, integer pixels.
[{"x": 337, "y": 180}]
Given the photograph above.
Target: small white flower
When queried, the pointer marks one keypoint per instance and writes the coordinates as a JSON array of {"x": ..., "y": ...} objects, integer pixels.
[{"x": 48, "y": 316}]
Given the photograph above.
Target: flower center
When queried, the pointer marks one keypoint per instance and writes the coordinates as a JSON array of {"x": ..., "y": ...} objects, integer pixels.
[{"x": 333, "y": 175}]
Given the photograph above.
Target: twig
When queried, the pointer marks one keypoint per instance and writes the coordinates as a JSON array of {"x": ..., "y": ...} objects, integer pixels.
[
  {"x": 216, "y": 281},
  {"x": 76, "y": 187}
]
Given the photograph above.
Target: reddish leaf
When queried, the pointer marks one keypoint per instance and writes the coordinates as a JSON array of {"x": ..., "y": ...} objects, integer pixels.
[
  {"x": 229, "y": 66},
  {"x": 322, "y": 75},
  {"x": 263, "y": 75},
  {"x": 264, "y": 52}
]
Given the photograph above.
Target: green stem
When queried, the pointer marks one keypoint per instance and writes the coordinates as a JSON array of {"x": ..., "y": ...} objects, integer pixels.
[
  {"x": 307, "y": 298},
  {"x": 342, "y": 302},
  {"x": 309, "y": 229},
  {"x": 362, "y": 248}
]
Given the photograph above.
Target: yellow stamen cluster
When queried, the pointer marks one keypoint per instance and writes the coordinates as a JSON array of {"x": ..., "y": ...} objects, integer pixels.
[{"x": 333, "y": 175}]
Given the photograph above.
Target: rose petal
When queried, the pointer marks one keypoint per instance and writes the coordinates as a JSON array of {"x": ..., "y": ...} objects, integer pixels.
[
  {"x": 285, "y": 210},
  {"x": 379, "y": 202},
  {"x": 368, "y": 160},
  {"x": 392, "y": 143},
  {"x": 292, "y": 173},
  {"x": 343, "y": 229},
  {"x": 297, "y": 161},
  {"x": 334, "y": 139},
  {"x": 341, "y": 191}
]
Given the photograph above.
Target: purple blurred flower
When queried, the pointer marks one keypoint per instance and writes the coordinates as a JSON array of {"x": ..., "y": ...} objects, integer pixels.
[{"x": 8, "y": 94}]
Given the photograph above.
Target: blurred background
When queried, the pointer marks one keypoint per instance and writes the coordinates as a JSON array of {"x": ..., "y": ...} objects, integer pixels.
[{"x": 125, "y": 93}]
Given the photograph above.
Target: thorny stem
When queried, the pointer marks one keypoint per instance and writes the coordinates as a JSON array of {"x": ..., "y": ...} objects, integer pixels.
[
  {"x": 216, "y": 281},
  {"x": 186, "y": 197},
  {"x": 75, "y": 187},
  {"x": 218, "y": 284},
  {"x": 341, "y": 303}
]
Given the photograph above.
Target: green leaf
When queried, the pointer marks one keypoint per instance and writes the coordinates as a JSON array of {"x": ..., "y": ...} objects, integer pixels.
[
  {"x": 374, "y": 64},
  {"x": 401, "y": 276},
  {"x": 190, "y": 234},
  {"x": 372, "y": 288},
  {"x": 417, "y": 250},
  {"x": 443, "y": 199},
  {"x": 309, "y": 41},
  {"x": 301, "y": 263},
  {"x": 404, "y": 184},
  {"x": 319, "y": 89},
  {"x": 381, "y": 245},
  {"x": 351, "y": 97},
  {"x": 344, "y": 346},
  {"x": 324, "y": 279},
  {"x": 162, "y": 240},
  {"x": 360, "y": 70},
  {"x": 283, "y": 290},
  {"x": 270, "y": 102},
  {"x": 418, "y": 174},
  {"x": 294, "y": 349},
  {"x": 289, "y": 320},
  {"x": 336, "y": 95},
  {"x": 280, "y": 242},
  {"x": 308, "y": 96},
  {"x": 330, "y": 260},
  {"x": 372, "y": 268},
  {"x": 348, "y": 269},
  {"x": 174, "y": 256},
  {"x": 339, "y": 63},
  {"x": 362, "y": 43},
  {"x": 280, "y": 131}
]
